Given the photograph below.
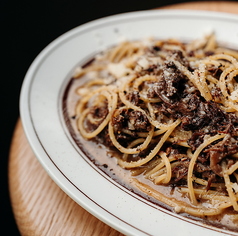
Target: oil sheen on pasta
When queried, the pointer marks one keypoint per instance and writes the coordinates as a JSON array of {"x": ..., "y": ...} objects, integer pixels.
[{"x": 160, "y": 118}]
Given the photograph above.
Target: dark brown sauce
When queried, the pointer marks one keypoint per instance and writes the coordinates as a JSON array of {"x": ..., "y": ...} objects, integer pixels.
[{"x": 103, "y": 160}]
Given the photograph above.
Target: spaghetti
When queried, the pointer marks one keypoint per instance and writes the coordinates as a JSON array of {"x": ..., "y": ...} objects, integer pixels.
[{"x": 169, "y": 108}]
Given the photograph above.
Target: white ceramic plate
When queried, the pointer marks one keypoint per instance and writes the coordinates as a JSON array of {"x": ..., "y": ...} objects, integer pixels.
[{"x": 41, "y": 114}]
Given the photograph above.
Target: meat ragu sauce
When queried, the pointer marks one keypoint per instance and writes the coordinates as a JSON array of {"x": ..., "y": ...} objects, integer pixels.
[{"x": 159, "y": 117}]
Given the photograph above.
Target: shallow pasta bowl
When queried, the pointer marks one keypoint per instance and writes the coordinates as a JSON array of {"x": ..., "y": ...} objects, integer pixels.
[{"x": 42, "y": 116}]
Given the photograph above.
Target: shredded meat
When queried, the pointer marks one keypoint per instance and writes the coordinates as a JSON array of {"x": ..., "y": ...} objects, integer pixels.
[
  {"x": 217, "y": 152},
  {"x": 134, "y": 97},
  {"x": 130, "y": 119},
  {"x": 137, "y": 121},
  {"x": 169, "y": 83},
  {"x": 181, "y": 170}
]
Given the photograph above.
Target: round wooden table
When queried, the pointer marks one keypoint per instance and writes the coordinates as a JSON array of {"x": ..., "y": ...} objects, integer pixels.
[{"x": 40, "y": 207}]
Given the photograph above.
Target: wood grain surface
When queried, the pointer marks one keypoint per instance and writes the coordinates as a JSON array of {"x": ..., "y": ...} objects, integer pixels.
[{"x": 40, "y": 207}]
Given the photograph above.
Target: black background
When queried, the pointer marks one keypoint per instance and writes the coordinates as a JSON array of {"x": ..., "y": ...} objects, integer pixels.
[{"x": 26, "y": 28}]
